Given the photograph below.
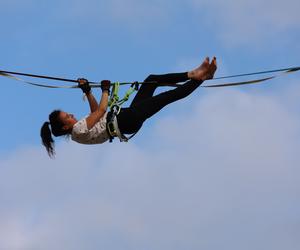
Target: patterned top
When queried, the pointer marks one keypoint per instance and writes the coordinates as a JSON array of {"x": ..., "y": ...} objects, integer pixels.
[{"x": 96, "y": 135}]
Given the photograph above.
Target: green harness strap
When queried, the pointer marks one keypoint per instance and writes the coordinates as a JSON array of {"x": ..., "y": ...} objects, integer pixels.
[
  {"x": 114, "y": 97},
  {"x": 115, "y": 106}
]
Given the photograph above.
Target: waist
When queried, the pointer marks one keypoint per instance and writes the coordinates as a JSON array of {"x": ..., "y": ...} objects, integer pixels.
[{"x": 113, "y": 128}]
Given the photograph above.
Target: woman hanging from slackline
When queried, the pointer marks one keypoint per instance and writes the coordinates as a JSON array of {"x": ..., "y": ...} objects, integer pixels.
[{"x": 93, "y": 128}]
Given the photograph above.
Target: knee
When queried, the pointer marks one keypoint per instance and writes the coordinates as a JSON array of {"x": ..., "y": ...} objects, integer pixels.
[{"x": 150, "y": 78}]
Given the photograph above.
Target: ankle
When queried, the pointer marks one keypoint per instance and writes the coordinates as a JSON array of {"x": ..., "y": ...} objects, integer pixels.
[{"x": 190, "y": 74}]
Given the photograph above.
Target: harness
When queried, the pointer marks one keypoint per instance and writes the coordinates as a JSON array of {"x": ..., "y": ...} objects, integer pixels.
[{"x": 115, "y": 105}]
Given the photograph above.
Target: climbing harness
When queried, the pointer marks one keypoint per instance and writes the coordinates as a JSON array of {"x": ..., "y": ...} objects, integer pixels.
[{"x": 115, "y": 105}]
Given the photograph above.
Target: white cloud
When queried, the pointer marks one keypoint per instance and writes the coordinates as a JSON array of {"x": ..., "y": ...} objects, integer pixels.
[
  {"x": 13, "y": 232},
  {"x": 251, "y": 21},
  {"x": 222, "y": 174}
]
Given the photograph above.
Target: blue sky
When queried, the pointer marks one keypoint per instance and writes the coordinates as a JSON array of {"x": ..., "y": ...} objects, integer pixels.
[{"x": 217, "y": 170}]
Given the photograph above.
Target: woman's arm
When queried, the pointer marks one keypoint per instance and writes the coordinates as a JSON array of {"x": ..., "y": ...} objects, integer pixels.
[
  {"x": 95, "y": 116},
  {"x": 92, "y": 102},
  {"x": 85, "y": 87}
]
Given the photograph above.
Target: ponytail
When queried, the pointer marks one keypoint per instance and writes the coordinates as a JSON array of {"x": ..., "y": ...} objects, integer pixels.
[
  {"x": 56, "y": 130},
  {"x": 47, "y": 139}
]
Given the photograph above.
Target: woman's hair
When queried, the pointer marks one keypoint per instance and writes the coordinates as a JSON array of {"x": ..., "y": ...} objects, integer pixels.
[{"x": 56, "y": 129}]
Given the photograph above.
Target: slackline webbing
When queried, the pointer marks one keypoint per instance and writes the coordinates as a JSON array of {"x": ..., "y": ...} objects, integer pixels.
[{"x": 11, "y": 75}]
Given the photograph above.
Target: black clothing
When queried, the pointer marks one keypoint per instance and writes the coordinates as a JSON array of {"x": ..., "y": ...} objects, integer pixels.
[{"x": 145, "y": 105}]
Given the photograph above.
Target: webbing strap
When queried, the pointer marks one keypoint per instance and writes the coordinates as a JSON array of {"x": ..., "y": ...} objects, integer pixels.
[
  {"x": 259, "y": 73},
  {"x": 287, "y": 71},
  {"x": 36, "y": 84},
  {"x": 129, "y": 92},
  {"x": 11, "y": 74},
  {"x": 115, "y": 106},
  {"x": 115, "y": 99}
]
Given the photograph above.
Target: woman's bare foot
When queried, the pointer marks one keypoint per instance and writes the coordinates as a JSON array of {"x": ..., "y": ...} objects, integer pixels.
[
  {"x": 198, "y": 73},
  {"x": 205, "y": 71}
]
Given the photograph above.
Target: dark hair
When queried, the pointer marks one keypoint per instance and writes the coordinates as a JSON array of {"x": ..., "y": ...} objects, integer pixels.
[{"x": 56, "y": 129}]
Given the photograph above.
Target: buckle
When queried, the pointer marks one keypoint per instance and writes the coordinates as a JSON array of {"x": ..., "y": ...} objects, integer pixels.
[
  {"x": 116, "y": 109},
  {"x": 111, "y": 129}
]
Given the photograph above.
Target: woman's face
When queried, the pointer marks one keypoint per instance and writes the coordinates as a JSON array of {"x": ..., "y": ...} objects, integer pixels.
[{"x": 67, "y": 119}]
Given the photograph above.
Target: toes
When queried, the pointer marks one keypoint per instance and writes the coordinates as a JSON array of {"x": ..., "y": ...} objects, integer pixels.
[
  {"x": 215, "y": 61},
  {"x": 213, "y": 64}
]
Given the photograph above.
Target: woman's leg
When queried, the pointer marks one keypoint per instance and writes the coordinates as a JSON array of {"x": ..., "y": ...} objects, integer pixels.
[
  {"x": 146, "y": 105},
  {"x": 131, "y": 119},
  {"x": 152, "y": 82}
]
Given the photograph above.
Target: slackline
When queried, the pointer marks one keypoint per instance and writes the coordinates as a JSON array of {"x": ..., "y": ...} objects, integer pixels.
[{"x": 12, "y": 75}]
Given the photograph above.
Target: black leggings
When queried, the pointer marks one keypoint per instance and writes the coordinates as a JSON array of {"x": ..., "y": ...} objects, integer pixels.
[{"x": 145, "y": 105}]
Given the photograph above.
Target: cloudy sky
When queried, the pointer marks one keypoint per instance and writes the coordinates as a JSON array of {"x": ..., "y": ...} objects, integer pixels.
[{"x": 218, "y": 170}]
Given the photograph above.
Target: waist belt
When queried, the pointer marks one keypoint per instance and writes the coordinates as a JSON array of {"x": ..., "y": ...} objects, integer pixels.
[{"x": 112, "y": 126}]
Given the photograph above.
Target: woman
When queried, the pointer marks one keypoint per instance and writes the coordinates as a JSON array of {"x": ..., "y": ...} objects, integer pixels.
[{"x": 93, "y": 128}]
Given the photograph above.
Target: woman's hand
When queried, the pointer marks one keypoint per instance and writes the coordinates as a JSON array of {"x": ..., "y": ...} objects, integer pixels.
[
  {"x": 84, "y": 85},
  {"x": 105, "y": 85}
]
